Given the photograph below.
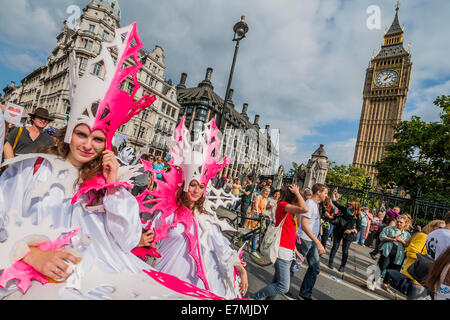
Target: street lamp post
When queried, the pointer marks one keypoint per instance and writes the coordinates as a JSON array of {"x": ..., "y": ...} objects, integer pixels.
[{"x": 240, "y": 29}]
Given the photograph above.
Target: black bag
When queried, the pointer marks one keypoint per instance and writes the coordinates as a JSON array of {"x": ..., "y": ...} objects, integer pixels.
[
  {"x": 339, "y": 221},
  {"x": 420, "y": 268}
]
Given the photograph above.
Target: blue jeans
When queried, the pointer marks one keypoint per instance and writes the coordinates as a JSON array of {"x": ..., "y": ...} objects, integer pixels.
[
  {"x": 309, "y": 250},
  {"x": 360, "y": 235},
  {"x": 254, "y": 239},
  {"x": 280, "y": 284}
]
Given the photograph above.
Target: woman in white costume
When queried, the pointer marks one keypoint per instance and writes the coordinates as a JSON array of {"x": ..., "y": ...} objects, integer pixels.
[
  {"x": 39, "y": 212},
  {"x": 187, "y": 230},
  {"x": 218, "y": 259}
]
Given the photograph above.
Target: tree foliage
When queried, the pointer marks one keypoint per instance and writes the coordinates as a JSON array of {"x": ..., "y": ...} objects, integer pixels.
[
  {"x": 419, "y": 157},
  {"x": 293, "y": 169},
  {"x": 347, "y": 175}
]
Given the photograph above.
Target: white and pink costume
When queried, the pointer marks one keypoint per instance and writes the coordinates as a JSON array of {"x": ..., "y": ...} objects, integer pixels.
[
  {"x": 39, "y": 205},
  {"x": 191, "y": 245}
]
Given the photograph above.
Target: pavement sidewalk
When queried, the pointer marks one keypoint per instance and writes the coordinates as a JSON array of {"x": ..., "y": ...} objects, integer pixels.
[{"x": 355, "y": 270}]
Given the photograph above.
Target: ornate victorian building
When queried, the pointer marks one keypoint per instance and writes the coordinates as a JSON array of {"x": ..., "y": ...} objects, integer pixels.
[
  {"x": 254, "y": 151},
  {"x": 385, "y": 93},
  {"x": 48, "y": 86}
]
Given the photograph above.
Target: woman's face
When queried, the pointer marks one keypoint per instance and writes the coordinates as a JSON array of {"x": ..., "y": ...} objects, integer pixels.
[
  {"x": 265, "y": 193},
  {"x": 400, "y": 223},
  {"x": 85, "y": 145},
  {"x": 195, "y": 191},
  {"x": 276, "y": 196}
]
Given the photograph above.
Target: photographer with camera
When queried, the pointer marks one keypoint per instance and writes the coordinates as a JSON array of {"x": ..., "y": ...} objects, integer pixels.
[{"x": 346, "y": 224}]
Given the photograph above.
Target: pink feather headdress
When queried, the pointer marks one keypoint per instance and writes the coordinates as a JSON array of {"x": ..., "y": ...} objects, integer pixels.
[
  {"x": 199, "y": 160},
  {"x": 115, "y": 106},
  {"x": 98, "y": 101}
]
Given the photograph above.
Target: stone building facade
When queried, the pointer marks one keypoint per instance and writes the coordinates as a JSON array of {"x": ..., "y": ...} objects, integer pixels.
[
  {"x": 315, "y": 171},
  {"x": 48, "y": 86},
  {"x": 385, "y": 93},
  {"x": 254, "y": 151}
]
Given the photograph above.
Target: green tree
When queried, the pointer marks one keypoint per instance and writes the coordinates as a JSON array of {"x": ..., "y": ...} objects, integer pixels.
[
  {"x": 347, "y": 175},
  {"x": 294, "y": 168},
  {"x": 420, "y": 156}
]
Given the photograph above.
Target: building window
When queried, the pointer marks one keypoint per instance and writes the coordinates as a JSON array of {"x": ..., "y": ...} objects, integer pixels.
[
  {"x": 163, "y": 107},
  {"x": 122, "y": 128},
  {"x": 83, "y": 63},
  {"x": 151, "y": 81},
  {"x": 141, "y": 133},
  {"x": 154, "y": 69},
  {"x": 97, "y": 69},
  {"x": 145, "y": 114},
  {"x": 173, "y": 113},
  {"x": 105, "y": 35},
  {"x": 92, "y": 28},
  {"x": 88, "y": 44},
  {"x": 169, "y": 108},
  {"x": 157, "y": 58}
]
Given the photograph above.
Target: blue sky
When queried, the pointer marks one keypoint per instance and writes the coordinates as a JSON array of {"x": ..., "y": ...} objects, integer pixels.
[{"x": 301, "y": 67}]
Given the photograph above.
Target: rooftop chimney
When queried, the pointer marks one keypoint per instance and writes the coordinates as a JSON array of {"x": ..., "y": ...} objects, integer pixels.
[
  {"x": 207, "y": 81},
  {"x": 244, "y": 108},
  {"x": 182, "y": 84},
  {"x": 256, "y": 123},
  {"x": 208, "y": 74}
]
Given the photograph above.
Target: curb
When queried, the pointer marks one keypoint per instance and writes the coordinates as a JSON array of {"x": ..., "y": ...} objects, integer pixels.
[{"x": 359, "y": 282}]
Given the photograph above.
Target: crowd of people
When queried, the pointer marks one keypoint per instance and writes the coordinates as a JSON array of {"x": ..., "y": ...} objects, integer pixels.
[{"x": 316, "y": 219}]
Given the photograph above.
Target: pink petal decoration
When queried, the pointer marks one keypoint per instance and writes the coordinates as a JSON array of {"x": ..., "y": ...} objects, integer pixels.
[
  {"x": 120, "y": 104},
  {"x": 181, "y": 286},
  {"x": 117, "y": 107},
  {"x": 24, "y": 273},
  {"x": 97, "y": 183},
  {"x": 143, "y": 253}
]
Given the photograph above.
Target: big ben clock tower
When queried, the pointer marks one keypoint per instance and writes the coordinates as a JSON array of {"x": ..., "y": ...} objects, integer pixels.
[{"x": 385, "y": 93}]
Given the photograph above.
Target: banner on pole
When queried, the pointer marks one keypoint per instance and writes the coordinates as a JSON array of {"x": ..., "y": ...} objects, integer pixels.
[{"x": 13, "y": 114}]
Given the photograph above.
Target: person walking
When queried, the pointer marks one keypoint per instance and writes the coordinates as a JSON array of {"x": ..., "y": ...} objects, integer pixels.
[
  {"x": 236, "y": 191},
  {"x": 272, "y": 206},
  {"x": 259, "y": 206},
  {"x": 327, "y": 213},
  {"x": 291, "y": 205},
  {"x": 388, "y": 220},
  {"x": 345, "y": 230},
  {"x": 31, "y": 138},
  {"x": 395, "y": 239},
  {"x": 374, "y": 227},
  {"x": 246, "y": 200},
  {"x": 310, "y": 247},
  {"x": 360, "y": 239},
  {"x": 416, "y": 246}
]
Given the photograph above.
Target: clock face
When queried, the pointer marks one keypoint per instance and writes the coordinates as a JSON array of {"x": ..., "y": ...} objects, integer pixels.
[{"x": 386, "y": 79}]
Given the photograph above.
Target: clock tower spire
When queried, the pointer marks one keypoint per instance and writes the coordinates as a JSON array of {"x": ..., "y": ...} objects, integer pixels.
[{"x": 384, "y": 97}]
